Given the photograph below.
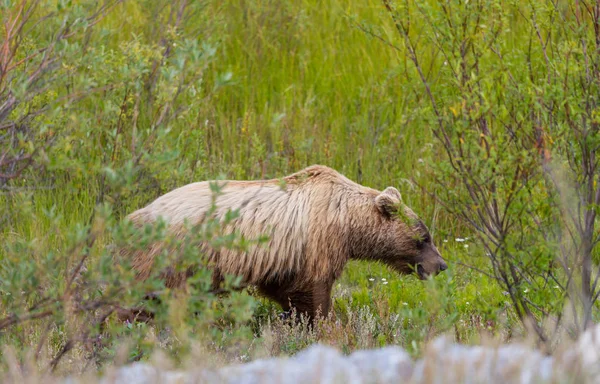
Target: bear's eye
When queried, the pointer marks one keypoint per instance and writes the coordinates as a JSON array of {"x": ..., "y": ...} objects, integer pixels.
[{"x": 421, "y": 241}]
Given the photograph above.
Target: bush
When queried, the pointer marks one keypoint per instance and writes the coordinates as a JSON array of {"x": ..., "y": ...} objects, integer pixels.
[
  {"x": 80, "y": 104},
  {"x": 510, "y": 92}
]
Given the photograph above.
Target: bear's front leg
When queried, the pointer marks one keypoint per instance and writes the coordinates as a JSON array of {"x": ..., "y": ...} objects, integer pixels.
[
  {"x": 311, "y": 300},
  {"x": 321, "y": 299}
]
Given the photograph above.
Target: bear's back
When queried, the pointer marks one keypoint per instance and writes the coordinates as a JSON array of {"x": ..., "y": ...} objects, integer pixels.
[{"x": 193, "y": 201}]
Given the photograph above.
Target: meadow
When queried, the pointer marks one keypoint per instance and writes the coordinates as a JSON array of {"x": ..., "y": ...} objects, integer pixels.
[{"x": 484, "y": 114}]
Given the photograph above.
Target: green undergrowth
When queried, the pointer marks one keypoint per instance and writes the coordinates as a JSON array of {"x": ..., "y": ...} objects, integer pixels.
[{"x": 143, "y": 102}]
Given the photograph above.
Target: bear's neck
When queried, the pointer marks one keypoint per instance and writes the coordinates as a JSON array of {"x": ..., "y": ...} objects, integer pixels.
[{"x": 363, "y": 231}]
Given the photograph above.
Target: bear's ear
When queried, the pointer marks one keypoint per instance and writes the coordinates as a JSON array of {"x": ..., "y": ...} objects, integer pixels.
[{"x": 388, "y": 201}]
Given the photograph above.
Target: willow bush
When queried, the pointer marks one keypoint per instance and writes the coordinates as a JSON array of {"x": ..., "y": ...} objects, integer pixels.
[
  {"x": 510, "y": 91},
  {"x": 87, "y": 115}
]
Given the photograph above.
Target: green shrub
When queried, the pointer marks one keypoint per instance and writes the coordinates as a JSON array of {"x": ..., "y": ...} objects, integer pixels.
[{"x": 508, "y": 90}]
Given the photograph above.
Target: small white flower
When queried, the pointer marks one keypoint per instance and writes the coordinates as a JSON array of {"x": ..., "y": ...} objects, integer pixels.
[
  {"x": 421, "y": 161},
  {"x": 526, "y": 290},
  {"x": 404, "y": 303},
  {"x": 371, "y": 279},
  {"x": 445, "y": 240},
  {"x": 466, "y": 245},
  {"x": 383, "y": 279},
  {"x": 460, "y": 239},
  {"x": 385, "y": 282},
  {"x": 557, "y": 287},
  {"x": 445, "y": 63},
  {"x": 468, "y": 303}
]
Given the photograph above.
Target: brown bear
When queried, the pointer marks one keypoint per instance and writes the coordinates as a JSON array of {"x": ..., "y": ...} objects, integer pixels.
[{"x": 316, "y": 220}]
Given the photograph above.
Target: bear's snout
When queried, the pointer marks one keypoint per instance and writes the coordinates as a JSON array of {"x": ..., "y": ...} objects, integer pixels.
[
  {"x": 443, "y": 266},
  {"x": 431, "y": 268}
]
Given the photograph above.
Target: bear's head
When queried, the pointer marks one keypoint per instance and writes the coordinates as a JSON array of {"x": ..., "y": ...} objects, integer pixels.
[{"x": 403, "y": 241}]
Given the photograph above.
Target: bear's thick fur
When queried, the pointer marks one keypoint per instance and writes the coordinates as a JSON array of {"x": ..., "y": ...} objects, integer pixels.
[{"x": 316, "y": 220}]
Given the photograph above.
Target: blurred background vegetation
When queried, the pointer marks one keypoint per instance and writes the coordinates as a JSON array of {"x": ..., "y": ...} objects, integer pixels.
[{"x": 483, "y": 114}]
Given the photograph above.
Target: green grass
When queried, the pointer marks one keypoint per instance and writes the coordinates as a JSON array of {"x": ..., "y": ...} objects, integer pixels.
[{"x": 306, "y": 87}]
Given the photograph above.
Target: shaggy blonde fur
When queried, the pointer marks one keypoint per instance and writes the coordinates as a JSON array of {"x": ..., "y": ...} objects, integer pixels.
[
  {"x": 316, "y": 220},
  {"x": 305, "y": 215}
]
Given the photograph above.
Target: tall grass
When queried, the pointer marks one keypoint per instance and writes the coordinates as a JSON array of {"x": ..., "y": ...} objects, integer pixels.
[{"x": 291, "y": 83}]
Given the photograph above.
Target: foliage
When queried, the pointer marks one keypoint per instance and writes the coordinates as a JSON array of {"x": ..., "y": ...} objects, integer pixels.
[
  {"x": 519, "y": 127},
  {"x": 72, "y": 110},
  {"x": 105, "y": 107}
]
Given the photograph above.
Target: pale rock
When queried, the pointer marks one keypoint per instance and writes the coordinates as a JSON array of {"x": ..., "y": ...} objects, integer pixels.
[{"x": 442, "y": 362}]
